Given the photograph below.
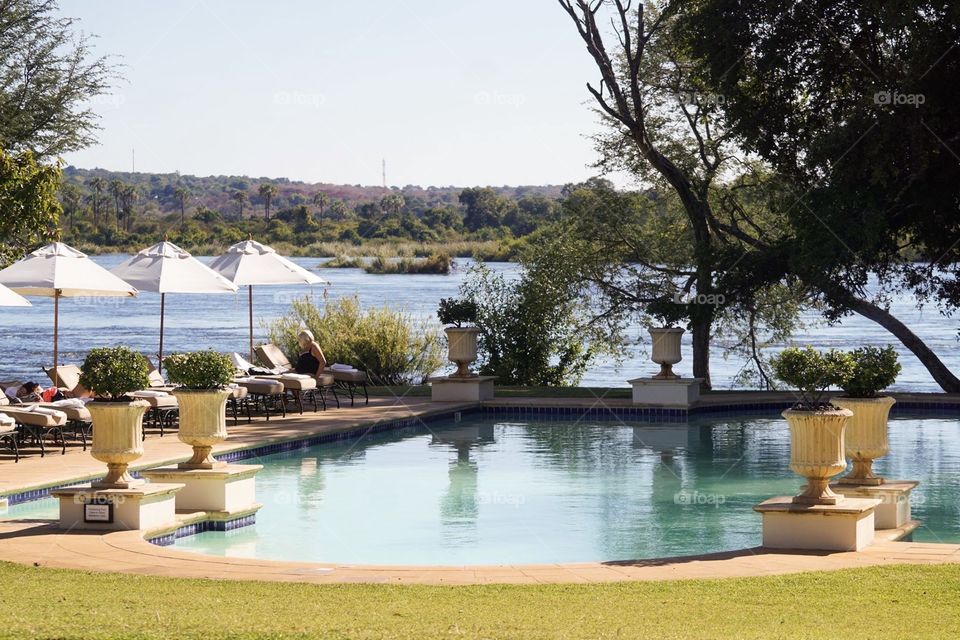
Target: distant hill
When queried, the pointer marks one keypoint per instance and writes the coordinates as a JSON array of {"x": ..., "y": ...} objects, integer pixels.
[
  {"x": 106, "y": 211},
  {"x": 216, "y": 192}
]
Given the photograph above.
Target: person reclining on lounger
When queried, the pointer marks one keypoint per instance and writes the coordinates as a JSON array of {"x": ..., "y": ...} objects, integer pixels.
[
  {"x": 26, "y": 392},
  {"x": 311, "y": 360}
]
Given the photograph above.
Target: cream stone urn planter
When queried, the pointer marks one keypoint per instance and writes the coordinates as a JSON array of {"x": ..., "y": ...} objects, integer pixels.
[
  {"x": 203, "y": 424},
  {"x": 666, "y": 351},
  {"x": 117, "y": 440},
  {"x": 866, "y": 436},
  {"x": 817, "y": 451},
  {"x": 462, "y": 348}
]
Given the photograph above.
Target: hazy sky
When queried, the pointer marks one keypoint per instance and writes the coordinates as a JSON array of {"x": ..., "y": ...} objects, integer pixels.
[{"x": 449, "y": 92}]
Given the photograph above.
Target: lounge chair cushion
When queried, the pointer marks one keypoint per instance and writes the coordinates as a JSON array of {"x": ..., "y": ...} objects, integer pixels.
[
  {"x": 150, "y": 393},
  {"x": 74, "y": 413},
  {"x": 66, "y": 376},
  {"x": 271, "y": 356},
  {"x": 156, "y": 378},
  {"x": 29, "y": 416},
  {"x": 293, "y": 382},
  {"x": 326, "y": 380},
  {"x": 262, "y": 386},
  {"x": 157, "y": 399},
  {"x": 356, "y": 375}
]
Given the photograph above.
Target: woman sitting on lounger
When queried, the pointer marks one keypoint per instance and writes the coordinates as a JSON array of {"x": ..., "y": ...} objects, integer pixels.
[{"x": 311, "y": 360}]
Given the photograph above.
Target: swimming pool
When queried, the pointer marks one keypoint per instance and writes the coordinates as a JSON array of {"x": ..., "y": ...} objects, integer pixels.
[{"x": 496, "y": 491}]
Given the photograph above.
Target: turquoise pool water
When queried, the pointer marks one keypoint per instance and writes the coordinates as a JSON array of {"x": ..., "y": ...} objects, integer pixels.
[{"x": 487, "y": 491}]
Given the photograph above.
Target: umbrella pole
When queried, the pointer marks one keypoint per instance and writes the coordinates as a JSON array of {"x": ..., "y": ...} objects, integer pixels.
[
  {"x": 250, "y": 294},
  {"x": 163, "y": 300},
  {"x": 56, "y": 327}
]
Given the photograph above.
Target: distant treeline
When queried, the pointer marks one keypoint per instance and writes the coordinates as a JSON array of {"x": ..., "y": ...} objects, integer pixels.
[{"x": 116, "y": 211}]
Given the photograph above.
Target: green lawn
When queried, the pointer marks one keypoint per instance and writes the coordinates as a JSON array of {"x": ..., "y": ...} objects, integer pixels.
[{"x": 877, "y": 603}]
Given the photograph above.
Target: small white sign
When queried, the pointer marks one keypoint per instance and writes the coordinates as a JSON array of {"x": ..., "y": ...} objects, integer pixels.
[{"x": 93, "y": 512}]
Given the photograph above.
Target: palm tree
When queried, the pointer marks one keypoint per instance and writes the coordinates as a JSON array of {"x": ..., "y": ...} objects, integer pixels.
[
  {"x": 320, "y": 200},
  {"x": 392, "y": 203},
  {"x": 181, "y": 193},
  {"x": 115, "y": 189},
  {"x": 240, "y": 197},
  {"x": 98, "y": 185},
  {"x": 267, "y": 191},
  {"x": 70, "y": 199},
  {"x": 128, "y": 199}
]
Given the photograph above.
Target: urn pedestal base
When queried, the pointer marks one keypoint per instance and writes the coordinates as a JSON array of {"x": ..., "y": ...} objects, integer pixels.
[
  {"x": 455, "y": 389},
  {"x": 229, "y": 488},
  {"x": 660, "y": 392},
  {"x": 147, "y": 507},
  {"x": 893, "y": 512},
  {"x": 848, "y": 526}
]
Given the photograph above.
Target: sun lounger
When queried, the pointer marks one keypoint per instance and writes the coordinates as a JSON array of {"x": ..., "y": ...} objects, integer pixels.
[
  {"x": 156, "y": 378},
  {"x": 237, "y": 401},
  {"x": 264, "y": 392},
  {"x": 351, "y": 380},
  {"x": 9, "y": 435},
  {"x": 78, "y": 417},
  {"x": 35, "y": 423},
  {"x": 273, "y": 358},
  {"x": 164, "y": 409}
]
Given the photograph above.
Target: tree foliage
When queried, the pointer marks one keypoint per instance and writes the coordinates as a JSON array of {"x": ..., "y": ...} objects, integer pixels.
[
  {"x": 854, "y": 106},
  {"x": 29, "y": 208},
  {"x": 811, "y": 373},
  {"x": 114, "y": 372},
  {"x": 855, "y": 103},
  {"x": 874, "y": 370},
  {"x": 48, "y": 75},
  {"x": 530, "y": 329},
  {"x": 200, "y": 370}
]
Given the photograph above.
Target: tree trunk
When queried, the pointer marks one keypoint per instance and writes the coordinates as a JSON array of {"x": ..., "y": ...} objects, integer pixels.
[
  {"x": 701, "y": 351},
  {"x": 941, "y": 374}
]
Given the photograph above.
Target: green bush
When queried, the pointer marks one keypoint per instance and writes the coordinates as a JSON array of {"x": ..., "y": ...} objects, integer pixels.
[
  {"x": 391, "y": 346},
  {"x": 874, "y": 369},
  {"x": 812, "y": 373},
  {"x": 200, "y": 369},
  {"x": 343, "y": 262},
  {"x": 530, "y": 330},
  {"x": 114, "y": 372},
  {"x": 457, "y": 311},
  {"x": 435, "y": 264}
]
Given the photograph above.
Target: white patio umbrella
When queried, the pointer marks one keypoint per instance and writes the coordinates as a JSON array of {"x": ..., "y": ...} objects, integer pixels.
[
  {"x": 60, "y": 271},
  {"x": 9, "y": 298},
  {"x": 251, "y": 263},
  {"x": 166, "y": 268}
]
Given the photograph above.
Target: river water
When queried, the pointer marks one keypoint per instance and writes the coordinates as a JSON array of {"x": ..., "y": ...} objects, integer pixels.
[{"x": 220, "y": 321}]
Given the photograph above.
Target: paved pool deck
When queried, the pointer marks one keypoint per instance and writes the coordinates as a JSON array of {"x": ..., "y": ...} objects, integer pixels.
[{"x": 42, "y": 544}]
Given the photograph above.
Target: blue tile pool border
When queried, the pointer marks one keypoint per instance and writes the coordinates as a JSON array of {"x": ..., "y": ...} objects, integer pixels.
[
  {"x": 44, "y": 492},
  {"x": 193, "y": 529},
  {"x": 516, "y": 412}
]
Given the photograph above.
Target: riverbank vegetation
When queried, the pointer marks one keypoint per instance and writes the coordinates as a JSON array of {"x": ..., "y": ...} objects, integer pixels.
[{"x": 384, "y": 263}]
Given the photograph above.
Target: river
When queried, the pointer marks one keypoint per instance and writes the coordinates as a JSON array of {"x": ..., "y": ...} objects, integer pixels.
[{"x": 220, "y": 321}]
